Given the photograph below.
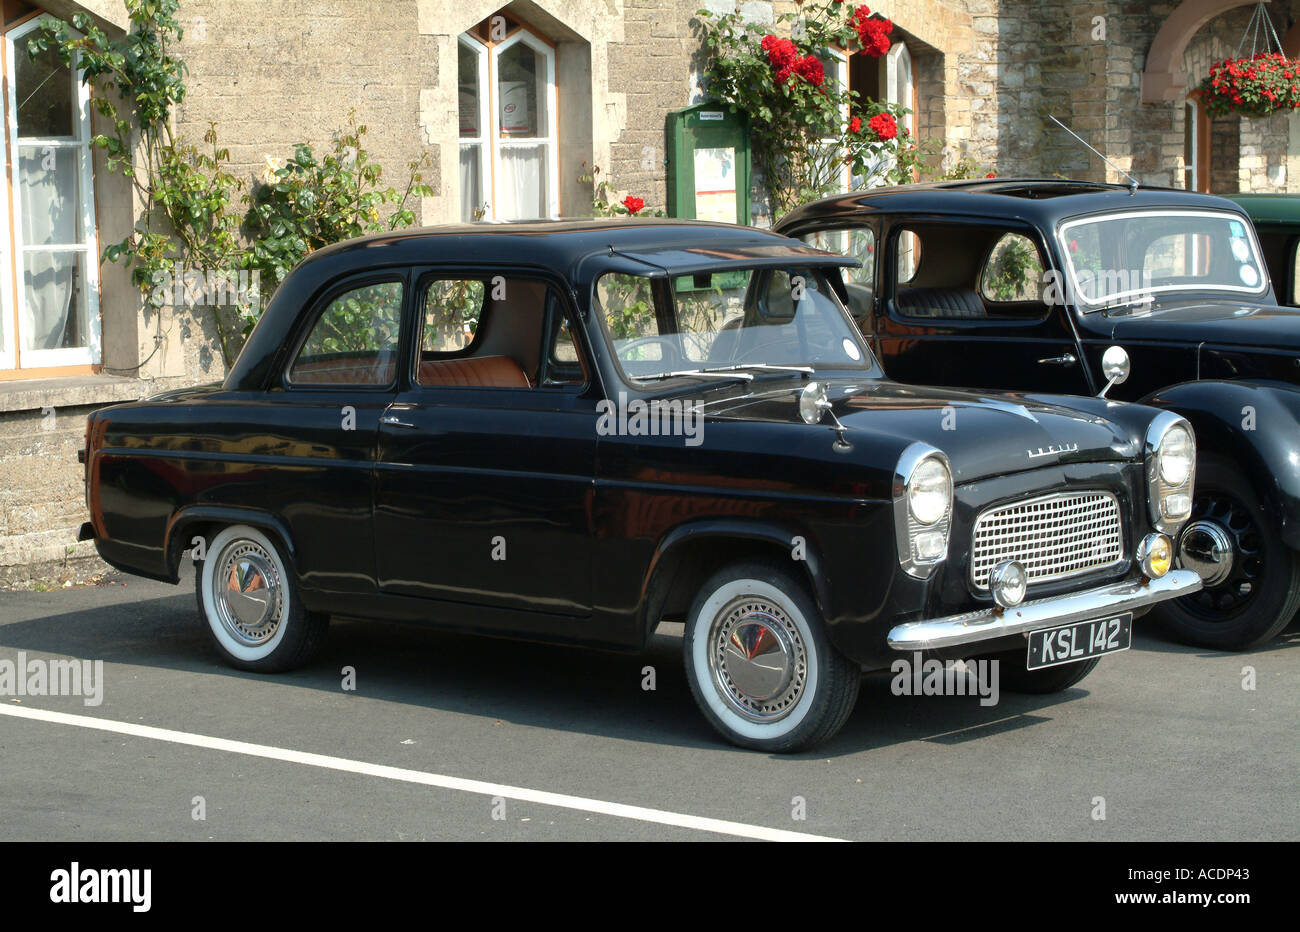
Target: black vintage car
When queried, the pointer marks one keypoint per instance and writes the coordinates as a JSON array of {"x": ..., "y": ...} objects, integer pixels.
[
  {"x": 1025, "y": 284},
  {"x": 571, "y": 431}
]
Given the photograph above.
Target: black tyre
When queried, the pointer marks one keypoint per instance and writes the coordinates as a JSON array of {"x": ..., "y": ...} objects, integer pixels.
[
  {"x": 250, "y": 606},
  {"x": 760, "y": 665},
  {"x": 1254, "y": 589}
]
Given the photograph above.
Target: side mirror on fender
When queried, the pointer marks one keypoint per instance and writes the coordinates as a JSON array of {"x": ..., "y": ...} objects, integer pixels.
[{"x": 1115, "y": 366}]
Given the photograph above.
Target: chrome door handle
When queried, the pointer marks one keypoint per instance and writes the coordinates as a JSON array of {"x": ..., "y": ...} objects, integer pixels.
[
  {"x": 392, "y": 421},
  {"x": 1069, "y": 359}
]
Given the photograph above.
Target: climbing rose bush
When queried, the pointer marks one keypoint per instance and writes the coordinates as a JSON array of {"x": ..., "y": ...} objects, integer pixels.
[{"x": 805, "y": 129}]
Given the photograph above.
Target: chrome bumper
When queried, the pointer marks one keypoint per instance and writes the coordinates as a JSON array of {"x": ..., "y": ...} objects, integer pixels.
[{"x": 984, "y": 625}]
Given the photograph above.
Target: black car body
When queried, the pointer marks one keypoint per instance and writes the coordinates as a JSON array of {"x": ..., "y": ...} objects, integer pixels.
[
  {"x": 498, "y": 485},
  {"x": 1024, "y": 284}
]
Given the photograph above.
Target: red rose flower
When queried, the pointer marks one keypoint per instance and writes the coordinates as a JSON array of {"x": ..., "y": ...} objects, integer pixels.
[
  {"x": 855, "y": 125},
  {"x": 884, "y": 126},
  {"x": 873, "y": 33},
  {"x": 633, "y": 204},
  {"x": 811, "y": 70},
  {"x": 990, "y": 175}
]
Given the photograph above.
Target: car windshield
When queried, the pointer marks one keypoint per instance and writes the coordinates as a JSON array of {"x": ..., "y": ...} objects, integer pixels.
[
  {"x": 1136, "y": 255},
  {"x": 734, "y": 321}
]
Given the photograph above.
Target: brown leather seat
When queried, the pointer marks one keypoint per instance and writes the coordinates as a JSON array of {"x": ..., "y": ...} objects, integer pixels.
[{"x": 476, "y": 371}]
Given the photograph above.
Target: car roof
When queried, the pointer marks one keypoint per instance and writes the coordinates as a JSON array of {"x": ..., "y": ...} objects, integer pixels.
[
  {"x": 1270, "y": 208},
  {"x": 1041, "y": 201},
  {"x": 661, "y": 245}
]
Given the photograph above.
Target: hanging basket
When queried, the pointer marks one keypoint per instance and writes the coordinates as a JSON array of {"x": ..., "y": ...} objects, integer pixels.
[{"x": 1260, "y": 86}]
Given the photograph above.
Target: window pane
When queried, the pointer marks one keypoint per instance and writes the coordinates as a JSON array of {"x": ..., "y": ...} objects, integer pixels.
[
  {"x": 50, "y": 181},
  {"x": 469, "y": 93},
  {"x": 521, "y": 72},
  {"x": 1013, "y": 271},
  {"x": 628, "y": 304},
  {"x": 909, "y": 256},
  {"x": 451, "y": 314},
  {"x": 522, "y": 183},
  {"x": 44, "y": 91},
  {"x": 355, "y": 340},
  {"x": 54, "y": 301}
]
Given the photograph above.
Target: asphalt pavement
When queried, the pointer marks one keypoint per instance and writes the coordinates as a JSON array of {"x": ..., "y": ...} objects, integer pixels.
[{"x": 452, "y": 737}]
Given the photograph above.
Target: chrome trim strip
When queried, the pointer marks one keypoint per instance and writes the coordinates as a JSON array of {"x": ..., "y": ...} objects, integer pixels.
[{"x": 984, "y": 625}]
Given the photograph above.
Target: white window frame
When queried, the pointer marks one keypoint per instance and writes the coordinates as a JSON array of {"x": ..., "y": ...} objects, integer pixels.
[
  {"x": 15, "y": 250},
  {"x": 895, "y": 94},
  {"x": 481, "y": 54},
  {"x": 550, "y": 140}
]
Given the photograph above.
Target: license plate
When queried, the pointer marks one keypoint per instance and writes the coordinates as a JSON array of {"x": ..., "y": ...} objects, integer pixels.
[{"x": 1050, "y": 647}]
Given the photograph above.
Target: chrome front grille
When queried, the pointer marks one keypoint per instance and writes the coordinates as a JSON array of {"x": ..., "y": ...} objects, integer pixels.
[{"x": 1053, "y": 537}]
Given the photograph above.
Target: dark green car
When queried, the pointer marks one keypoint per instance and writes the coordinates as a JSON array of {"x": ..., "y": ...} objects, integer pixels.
[{"x": 1277, "y": 220}]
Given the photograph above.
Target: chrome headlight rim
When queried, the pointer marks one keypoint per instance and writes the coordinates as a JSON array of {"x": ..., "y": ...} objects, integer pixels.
[
  {"x": 1160, "y": 492},
  {"x": 907, "y": 527}
]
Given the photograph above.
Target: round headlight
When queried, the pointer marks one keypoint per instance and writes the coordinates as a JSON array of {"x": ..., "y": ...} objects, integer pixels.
[
  {"x": 929, "y": 491},
  {"x": 1155, "y": 555},
  {"x": 1177, "y": 452},
  {"x": 1008, "y": 583}
]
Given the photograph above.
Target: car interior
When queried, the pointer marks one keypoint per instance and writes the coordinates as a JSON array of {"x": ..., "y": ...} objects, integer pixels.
[{"x": 960, "y": 272}]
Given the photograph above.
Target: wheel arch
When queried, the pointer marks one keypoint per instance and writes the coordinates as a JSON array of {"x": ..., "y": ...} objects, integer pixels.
[
  {"x": 690, "y": 553},
  {"x": 202, "y": 519},
  {"x": 1256, "y": 425}
]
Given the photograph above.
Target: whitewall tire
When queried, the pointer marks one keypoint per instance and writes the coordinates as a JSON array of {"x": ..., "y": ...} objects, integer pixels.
[
  {"x": 759, "y": 664},
  {"x": 249, "y": 601}
]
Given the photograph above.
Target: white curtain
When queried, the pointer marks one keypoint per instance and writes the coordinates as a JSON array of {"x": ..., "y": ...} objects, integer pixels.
[
  {"x": 521, "y": 186},
  {"x": 48, "y": 182},
  {"x": 471, "y": 193}
]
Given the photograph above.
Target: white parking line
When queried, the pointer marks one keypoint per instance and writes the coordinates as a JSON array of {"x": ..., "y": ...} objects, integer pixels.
[{"x": 523, "y": 794}]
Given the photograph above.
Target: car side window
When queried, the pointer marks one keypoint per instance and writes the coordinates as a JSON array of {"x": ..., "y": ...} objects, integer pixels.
[
  {"x": 452, "y": 308},
  {"x": 1013, "y": 271},
  {"x": 857, "y": 243},
  {"x": 354, "y": 341},
  {"x": 628, "y": 304},
  {"x": 909, "y": 256}
]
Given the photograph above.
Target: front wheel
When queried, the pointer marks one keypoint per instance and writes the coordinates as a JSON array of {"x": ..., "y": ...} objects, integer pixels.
[
  {"x": 1251, "y": 577},
  {"x": 250, "y": 605},
  {"x": 759, "y": 664}
]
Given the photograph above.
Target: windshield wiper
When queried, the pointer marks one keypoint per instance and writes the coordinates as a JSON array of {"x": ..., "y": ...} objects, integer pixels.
[
  {"x": 765, "y": 367},
  {"x": 725, "y": 374}
]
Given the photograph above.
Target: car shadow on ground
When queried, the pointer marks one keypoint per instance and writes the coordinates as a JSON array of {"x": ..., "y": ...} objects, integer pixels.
[{"x": 523, "y": 683}]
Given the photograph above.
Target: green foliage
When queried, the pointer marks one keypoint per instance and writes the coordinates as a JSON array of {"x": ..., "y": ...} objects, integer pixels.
[
  {"x": 310, "y": 202},
  {"x": 365, "y": 320},
  {"x": 191, "y": 218},
  {"x": 805, "y": 128},
  {"x": 451, "y": 313}
]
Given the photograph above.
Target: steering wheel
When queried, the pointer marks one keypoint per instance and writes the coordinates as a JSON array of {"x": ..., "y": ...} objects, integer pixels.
[{"x": 671, "y": 351}]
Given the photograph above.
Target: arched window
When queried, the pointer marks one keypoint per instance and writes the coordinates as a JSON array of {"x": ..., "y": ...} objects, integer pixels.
[
  {"x": 49, "y": 269},
  {"x": 509, "y": 167}
]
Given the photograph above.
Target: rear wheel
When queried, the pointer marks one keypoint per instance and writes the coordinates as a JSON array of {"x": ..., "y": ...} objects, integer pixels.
[
  {"x": 1251, "y": 577},
  {"x": 250, "y": 605},
  {"x": 760, "y": 665}
]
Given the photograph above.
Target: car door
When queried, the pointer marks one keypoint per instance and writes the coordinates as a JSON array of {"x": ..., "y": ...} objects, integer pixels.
[
  {"x": 969, "y": 305},
  {"x": 305, "y": 450},
  {"x": 484, "y": 477}
]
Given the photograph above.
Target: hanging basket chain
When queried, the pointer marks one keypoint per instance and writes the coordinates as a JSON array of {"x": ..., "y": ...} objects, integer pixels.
[{"x": 1259, "y": 19}]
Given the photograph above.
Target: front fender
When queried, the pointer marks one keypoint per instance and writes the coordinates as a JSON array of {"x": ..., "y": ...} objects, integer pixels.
[
  {"x": 676, "y": 547},
  {"x": 1256, "y": 424}
]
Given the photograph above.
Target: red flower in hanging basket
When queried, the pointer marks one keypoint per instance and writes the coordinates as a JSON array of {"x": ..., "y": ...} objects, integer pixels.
[{"x": 1252, "y": 87}]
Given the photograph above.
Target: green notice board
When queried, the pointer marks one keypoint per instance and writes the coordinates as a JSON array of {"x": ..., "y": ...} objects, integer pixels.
[{"x": 708, "y": 164}]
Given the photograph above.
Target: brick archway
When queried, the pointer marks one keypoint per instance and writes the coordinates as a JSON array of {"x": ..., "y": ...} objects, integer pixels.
[{"x": 1164, "y": 79}]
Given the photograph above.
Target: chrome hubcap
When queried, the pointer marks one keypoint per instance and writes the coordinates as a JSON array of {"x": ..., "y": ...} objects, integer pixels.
[
  {"x": 1207, "y": 549},
  {"x": 247, "y": 593},
  {"x": 758, "y": 660}
]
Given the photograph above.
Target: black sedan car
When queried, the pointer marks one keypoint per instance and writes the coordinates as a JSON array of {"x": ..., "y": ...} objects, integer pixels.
[
  {"x": 1025, "y": 284},
  {"x": 572, "y": 431}
]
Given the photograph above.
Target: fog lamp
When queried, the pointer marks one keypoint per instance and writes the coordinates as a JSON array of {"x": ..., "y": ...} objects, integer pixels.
[
  {"x": 1155, "y": 554},
  {"x": 1008, "y": 582}
]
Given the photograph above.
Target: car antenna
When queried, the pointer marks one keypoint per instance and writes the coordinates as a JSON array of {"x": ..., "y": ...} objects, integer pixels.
[{"x": 1133, "y": 185}]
